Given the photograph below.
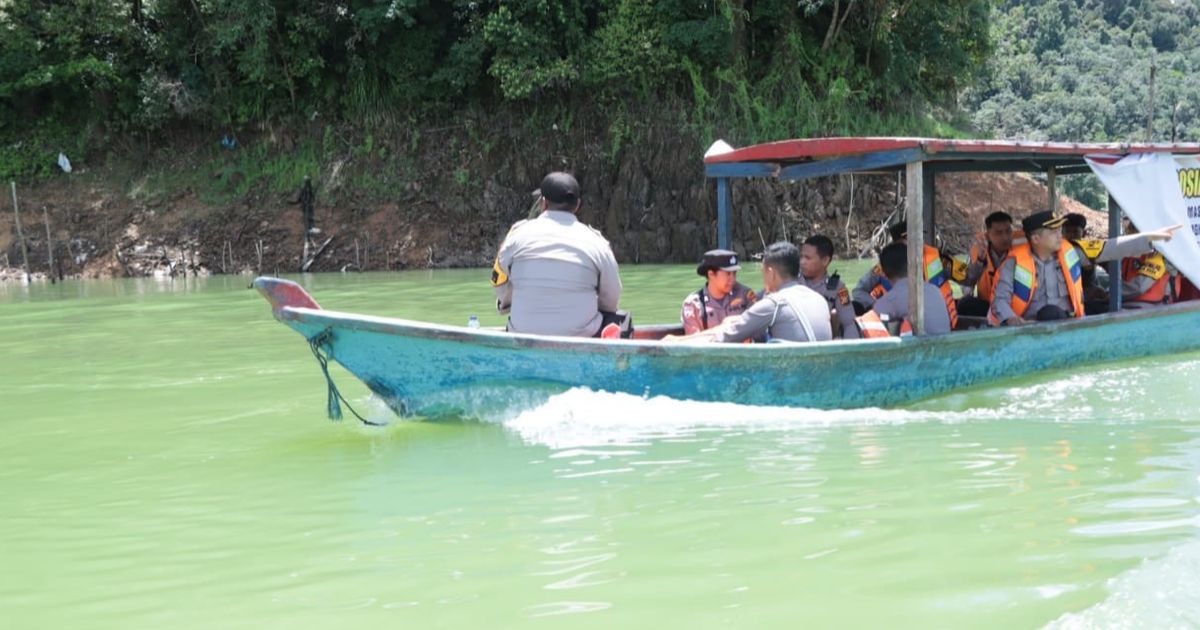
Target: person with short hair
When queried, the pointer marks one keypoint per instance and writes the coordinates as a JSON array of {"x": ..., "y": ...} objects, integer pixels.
[
  {"x": 893, "y": 261},
  {"x": 787, "y": 311},
  {"x": 555, "y": 275},
  {"x": 1042, "y": 280},
  {"x": 987, "y": 253},
  {"x": 874, "y": 284},
  {"x": 1074, "y": 227},
  {"x": 815, "y": 256},
  {"x": 1145, "y": 279},
  {"x": 721, "y": 296}
]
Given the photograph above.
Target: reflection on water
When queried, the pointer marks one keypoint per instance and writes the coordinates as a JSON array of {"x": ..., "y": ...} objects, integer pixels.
[{"x": 166, "y": 463}]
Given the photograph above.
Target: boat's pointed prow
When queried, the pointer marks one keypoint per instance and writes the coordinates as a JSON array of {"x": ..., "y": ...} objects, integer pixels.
[{"x": 281, "y": 293}]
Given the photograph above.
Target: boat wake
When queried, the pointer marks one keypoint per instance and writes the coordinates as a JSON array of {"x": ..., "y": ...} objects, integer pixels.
[
  {"x": 1161, "y": 593},
  {"x": 583, "y": 417}
]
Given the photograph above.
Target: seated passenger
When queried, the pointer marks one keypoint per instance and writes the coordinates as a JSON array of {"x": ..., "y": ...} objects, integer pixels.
[
  {"x": 987, "y": 252},
  {"x": 815, "y": 256},
  {"x": 789, "y": 311},
  {"x": 1145, "y": 280},
  {"x": 893, "y": 261},
  {"x": 720, "y": 297},
  {"x": 1074, "y": 229},
  {"x": 555, "y": 275},
  {"x": 874, "y": 284},
  {"x": 1043, "y": 279}
]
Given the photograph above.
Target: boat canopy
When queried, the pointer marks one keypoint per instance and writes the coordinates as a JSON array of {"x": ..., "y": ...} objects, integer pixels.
[{"x": 920, "y": 159}]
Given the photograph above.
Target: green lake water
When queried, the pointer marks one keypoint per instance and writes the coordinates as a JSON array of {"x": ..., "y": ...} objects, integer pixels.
[{"x": 165, "y": 463}]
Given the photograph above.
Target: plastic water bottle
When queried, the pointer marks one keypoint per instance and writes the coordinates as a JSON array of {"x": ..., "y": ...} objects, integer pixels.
[{"x": 472, "y": 322}]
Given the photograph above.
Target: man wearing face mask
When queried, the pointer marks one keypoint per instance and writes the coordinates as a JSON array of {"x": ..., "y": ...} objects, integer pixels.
[{"x": 721, "y": 296}]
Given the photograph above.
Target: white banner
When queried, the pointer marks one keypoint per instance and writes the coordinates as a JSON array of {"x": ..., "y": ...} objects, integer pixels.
[{"x": 1158, "y": 190}]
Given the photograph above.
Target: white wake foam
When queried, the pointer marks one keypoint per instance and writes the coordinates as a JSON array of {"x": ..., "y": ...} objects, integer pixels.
[
  {"x": 1161, "y": 594},
  {"x": 583, "y": 417}
]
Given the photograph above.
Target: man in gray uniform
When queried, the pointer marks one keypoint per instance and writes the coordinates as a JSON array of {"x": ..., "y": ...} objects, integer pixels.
[
  {"x": 789, "y": 311},
  {"x": 874, "y": 284},
  {"x": 893, "y": 260},
  {"x": 721, "y": 296},
  {"x": 555, "y": 275},
  {"x": 815, "y": 255},
  {"x": 1050, "y": 298}
]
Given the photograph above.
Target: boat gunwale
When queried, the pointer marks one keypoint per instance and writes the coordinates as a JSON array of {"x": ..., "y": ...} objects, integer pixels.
[{"x": 508, "y": 340}]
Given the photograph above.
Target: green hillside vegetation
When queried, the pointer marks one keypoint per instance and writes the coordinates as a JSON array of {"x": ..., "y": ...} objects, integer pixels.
[
  {"x": 1091, "y": 70},
  {"x": 101, "y": 77}
]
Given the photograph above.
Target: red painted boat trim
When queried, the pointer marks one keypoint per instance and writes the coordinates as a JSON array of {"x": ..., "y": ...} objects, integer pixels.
[{"x": 817, "y": 148}]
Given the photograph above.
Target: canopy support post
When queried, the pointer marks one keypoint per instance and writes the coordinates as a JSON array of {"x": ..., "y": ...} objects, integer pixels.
[
  {"x": 916, "y": 206},
  {"x": 927, "y": 207},
  {"x": 1114, "y": 266},
  {"x": 724, "y": 218},
  {"x": 1051, "y": 174}
]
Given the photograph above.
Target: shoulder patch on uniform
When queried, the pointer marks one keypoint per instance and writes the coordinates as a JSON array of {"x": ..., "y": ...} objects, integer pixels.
[
  {"x": 843, "y": 295},
  {"x": 1091, "y": 247},
  {"x": 958, "y": 270},
  {"x": 1153, "y": 267},
  {"x": 499, "y": 276}
]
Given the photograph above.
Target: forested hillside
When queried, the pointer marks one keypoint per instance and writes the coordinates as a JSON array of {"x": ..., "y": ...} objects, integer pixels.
[
  {"x": 94, "y": 74},
  {"x": 424, "y": 123},
  {"x": 1091, "y": 71}
]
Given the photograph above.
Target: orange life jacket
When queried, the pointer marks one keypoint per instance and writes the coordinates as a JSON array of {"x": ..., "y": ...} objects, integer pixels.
[
  {"x": 872, "y": 326},
  {"x": 1152, "y": 266},
  {"x": 1025, "y": 280},
  {"x": 986, "y": 287},
  {"x": 935, "y": 274}
]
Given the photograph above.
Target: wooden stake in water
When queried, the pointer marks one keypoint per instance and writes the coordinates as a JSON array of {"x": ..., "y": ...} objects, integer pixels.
[
  {"x": 49, "y": 245},
  {"x": 20, "y": 235}
]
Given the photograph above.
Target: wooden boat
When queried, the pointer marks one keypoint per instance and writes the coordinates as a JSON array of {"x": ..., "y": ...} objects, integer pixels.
[{"x": 433, "y": 370}]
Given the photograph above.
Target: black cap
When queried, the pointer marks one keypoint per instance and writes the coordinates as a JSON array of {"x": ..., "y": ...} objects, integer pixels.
[
  {"x": 1040, "y": 220},
  {"x": 899, "y": 230},
  {"x": 722, "y": 259},
  {"x": 560, "y": 189},
  {"x": 1075, "y": 220}
]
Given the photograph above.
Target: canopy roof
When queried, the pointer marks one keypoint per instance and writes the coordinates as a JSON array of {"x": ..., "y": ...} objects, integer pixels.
[{"x": 815, "y": 157}]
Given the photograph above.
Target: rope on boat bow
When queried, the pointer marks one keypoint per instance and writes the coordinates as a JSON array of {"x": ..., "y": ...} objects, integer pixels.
[{"x": 324, "y": 339}]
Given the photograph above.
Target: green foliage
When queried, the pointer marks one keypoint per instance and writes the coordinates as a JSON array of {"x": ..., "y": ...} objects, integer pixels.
[
  {"x": 92, "y": 69},
  {"x": 1082, "y": 71}
]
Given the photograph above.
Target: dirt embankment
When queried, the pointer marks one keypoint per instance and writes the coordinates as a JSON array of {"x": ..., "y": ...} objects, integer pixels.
[{"x": 652, "y": 202}]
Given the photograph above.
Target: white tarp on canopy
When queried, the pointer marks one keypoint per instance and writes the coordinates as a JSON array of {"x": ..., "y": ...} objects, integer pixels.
[{"x": 1158, "y": 190}]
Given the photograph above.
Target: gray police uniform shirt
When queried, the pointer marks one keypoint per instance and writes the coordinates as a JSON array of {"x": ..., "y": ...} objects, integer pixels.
[
  {"x": 1051, "y": 286},
  {"x": 561, "y": 274},
  {"x": 839, "y": 302},
  {"x": 894, "y": 304},
  {"x": 714, "y": 311},
  {"x": 775, "y": 314},
  {"x": 866, "y": 284}
]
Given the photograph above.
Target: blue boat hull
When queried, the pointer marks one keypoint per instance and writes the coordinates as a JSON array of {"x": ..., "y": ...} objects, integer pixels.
[{"x": 431, "y": 370}]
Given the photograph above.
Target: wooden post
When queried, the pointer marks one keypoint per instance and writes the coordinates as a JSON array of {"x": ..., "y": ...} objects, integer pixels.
[
  {"x": 724, "y": 220},
  {"x": 20, "y": 235},
  {"x": 914, "y": 209},
  {"x": 927, "y": 204},
  {"x": 1114, "y": 266},
  {"x": 49, "y": 246},
  {"x": 1052, "y": 188}
]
